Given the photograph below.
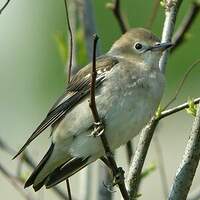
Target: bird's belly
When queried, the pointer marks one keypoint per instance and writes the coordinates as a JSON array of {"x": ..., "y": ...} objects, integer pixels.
[
  {"x": 127, "y": 117},
  {"x": 124, "y": 110}
]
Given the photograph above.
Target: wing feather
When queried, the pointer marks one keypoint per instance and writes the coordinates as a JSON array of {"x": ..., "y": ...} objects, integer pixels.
[{"x": 77, "y": 89}]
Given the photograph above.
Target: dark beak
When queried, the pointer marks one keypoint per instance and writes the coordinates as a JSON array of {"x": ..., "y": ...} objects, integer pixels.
[{"x": 161, "y": 46}]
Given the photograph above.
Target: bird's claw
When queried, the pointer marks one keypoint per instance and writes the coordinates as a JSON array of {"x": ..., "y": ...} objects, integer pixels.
[
  {"x": 109, "y": 187},
  {"x": 98, "y": 129},
  {"x": 119, "y": 177}
]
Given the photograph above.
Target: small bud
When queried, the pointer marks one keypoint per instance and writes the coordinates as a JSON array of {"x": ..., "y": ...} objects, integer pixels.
[{"x": 192, "y": 110}]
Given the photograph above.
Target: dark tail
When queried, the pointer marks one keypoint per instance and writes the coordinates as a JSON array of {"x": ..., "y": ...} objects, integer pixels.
[
  {"x": 65, "y": 171},
  {"x": 33, "y": 176}
]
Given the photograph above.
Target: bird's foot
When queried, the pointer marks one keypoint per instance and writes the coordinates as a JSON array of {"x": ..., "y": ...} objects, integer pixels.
[
  {"x": 98, "y": 129},
  {"x": 119, "y": 177},
  {"x": 109, "y": 187}
]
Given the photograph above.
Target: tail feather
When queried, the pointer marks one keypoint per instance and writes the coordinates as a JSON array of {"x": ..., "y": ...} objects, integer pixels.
[
  {"x": 66, "y": 170},
  {"x": 37, "y": 170},
  {"x": 41, "y": 176}
]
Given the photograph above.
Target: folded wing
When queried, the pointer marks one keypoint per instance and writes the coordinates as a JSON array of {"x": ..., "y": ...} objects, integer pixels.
[{"x": 78, "y": 88}]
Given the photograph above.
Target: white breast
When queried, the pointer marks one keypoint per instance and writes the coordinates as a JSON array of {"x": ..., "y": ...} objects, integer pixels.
[{"x": 126, "y": 104}]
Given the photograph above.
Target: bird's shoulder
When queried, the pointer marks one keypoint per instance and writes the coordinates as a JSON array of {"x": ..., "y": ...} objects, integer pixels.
[{"x": 80, "y": 82}]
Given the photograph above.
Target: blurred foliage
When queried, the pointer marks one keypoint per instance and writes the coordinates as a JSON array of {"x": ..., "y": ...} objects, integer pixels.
[
  {"x": 151, "y": 168},
  {"x": 61, "y": 42},
  {"x": 81, "y": 48},
  {"x": 62, "y": 46}
]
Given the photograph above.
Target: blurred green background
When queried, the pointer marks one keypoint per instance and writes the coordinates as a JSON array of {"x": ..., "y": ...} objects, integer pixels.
[{"x": 32, "y": 76}]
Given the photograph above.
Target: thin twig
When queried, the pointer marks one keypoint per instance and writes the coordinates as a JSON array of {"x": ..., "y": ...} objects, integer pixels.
[
  {"x": 176, "y": 109},
  {"x": 185, "y": 25},
  {"x": 92, "y": 103},
  {"x": 189, "y": 70},
  {"x": 186, "y": 171},
  {"x": 98, "y": 122},
  {"x": 71, "y": 42},
  {"x": 171, "y": 11},
  {"x": 154, "y": 12},
  {"x": 68, "y": 189},
  {"x": 115, "y": 7},
  {"x": 69, "y": 71},
  {"x": 4, "y": 6}
]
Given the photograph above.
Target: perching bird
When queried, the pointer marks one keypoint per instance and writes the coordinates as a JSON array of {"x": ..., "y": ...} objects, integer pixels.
[{"x": 129, "y": 87}]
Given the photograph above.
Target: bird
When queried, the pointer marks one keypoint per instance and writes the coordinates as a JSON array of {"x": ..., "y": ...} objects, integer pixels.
[{"x": 128, "y": 89}]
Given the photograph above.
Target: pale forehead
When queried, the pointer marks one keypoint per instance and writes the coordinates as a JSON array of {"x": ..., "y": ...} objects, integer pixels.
[{"x": 142, "y": 34}]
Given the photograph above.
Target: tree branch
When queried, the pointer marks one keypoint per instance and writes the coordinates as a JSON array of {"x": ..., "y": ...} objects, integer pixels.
[
  {"x": 4, "y": 6},
  {"x": 137, "y": 163},
  {"x": 176, "y": 109},
  {"x": 116, "y": 9},
  {"x": 186, "y": 171},
  {"x": 171, "y": 10},
  {"x": 100, "y": 128},
  {"x": 185, "y": 25}
]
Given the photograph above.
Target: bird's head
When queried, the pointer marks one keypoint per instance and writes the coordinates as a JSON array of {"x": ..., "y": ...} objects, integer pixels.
[{"x": 139, "y": 45}]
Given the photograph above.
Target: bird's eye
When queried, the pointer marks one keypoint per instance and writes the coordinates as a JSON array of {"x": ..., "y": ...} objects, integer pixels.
[{"x": 138, "y": 46}]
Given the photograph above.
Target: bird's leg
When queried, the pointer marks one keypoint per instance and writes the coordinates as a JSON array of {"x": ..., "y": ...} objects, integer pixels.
[
  {"x": 106, "y": 162},
  {"x": 118, "y": 177},
  {"x": 118, "y": 173}
]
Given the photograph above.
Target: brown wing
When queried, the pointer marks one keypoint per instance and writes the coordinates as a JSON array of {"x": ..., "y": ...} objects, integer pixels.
[{"x": 77, "y": 89}]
